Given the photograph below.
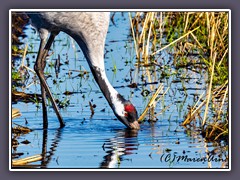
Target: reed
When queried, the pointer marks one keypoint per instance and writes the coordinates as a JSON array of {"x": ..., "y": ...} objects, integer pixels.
[
  {"x": 27, "y": 160},
  {"x": 15, "y": 113},
  {"x": 195, "y": 40}
]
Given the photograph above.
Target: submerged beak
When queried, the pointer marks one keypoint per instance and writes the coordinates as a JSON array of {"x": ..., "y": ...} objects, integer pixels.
[
  {"x": 131, "y": 125},
  {"x": 134, "y": 125}
]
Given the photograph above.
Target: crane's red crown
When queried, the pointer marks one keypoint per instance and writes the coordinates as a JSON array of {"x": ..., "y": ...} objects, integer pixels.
[{"x": 129, "y": 108}]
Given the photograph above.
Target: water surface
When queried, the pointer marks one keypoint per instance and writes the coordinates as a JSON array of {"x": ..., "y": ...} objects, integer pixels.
[{"x": 99, "y": 140}]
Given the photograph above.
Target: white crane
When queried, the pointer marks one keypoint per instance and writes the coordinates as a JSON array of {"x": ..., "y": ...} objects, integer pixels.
[{"x": 89, "y": 30}]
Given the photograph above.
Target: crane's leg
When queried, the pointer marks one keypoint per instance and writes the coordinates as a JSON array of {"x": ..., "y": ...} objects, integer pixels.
[
  {"x": 39, "y": 68},
  {"x": 43, "y": 92}
]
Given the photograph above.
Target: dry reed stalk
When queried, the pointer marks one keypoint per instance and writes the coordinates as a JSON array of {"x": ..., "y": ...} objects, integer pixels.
[
  {"x": 220, "y": 38},
  {"x": 208, "y": 27},
  {"x": 145, "y": 43},
  {"x": 223, "y": 100},
  {"x": 163, "y": 110},
  {"x": 150, "y": 103},
  {"x": 133, "y": 34},
  {"x": 200, "y": 97},
  {"x": 149, "y": 79},
  {"x": 27, "y": 160},
  {"x": 155, "y": 102},
  {"x": 209, "y": 91},
  {"x": 15, "y": 113},
  {"x": 220, "y": 135},
  {"x": 192, "y": 113},
  {"x": 148, "y": 40},
  {"x": 174, "y": 41},
  {"x": 198, "y": 43},
  {"x": 220, "y": 62},
  {"x": 186, "y": 22},
  {"x": 216, "y": 127},
  {"x": 195, "y": 109},
  {"x": 212, "y": 40},
  {"x": 24, "y": 54},
  {"x": 23, "y": 128},
  {"x": 160, "y": 28},
  {"x": 197, "y": 19},
  {"x": 218, "y": 90},
  {"x": 207, "y": 154},
  {"x": 142, "y": 40},
  {"x": 29, "y": 69},
  {"x": 142, "y": 35},
  {"x": 150, "y": 19},
  {"x": 23, "y": 59}
]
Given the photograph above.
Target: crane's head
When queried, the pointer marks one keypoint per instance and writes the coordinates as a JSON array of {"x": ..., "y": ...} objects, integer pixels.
[{"x": 126, "y": 112}]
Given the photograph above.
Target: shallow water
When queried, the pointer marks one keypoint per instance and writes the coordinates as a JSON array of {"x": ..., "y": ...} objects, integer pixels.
[{"x": 99, "y": 140}]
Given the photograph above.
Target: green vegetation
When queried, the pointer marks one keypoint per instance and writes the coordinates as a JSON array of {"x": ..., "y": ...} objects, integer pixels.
[{"x": 189, "y": 42}]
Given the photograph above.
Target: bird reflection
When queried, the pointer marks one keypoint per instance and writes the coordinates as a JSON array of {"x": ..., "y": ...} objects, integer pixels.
[
  {"x": 124, "y": 143},
  {"x": 47, "y": 155}
]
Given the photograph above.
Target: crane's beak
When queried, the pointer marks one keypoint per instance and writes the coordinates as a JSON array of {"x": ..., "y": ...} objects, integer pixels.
[{"x": 132, "y": 125}]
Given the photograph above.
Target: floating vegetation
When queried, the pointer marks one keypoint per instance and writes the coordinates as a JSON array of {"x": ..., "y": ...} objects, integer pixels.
[
  {"x": 25, "y": 97},
  {"x": 15, "y": 113},
  {"x": 18, "y": 129},
  {"x": 26, "y": 160}
]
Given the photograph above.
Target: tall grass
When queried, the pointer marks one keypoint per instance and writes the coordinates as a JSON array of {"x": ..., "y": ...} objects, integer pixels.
[{"x": 198, "y": 41}]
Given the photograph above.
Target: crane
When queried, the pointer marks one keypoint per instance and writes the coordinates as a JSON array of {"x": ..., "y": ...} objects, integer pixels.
[{"x": 89, "y": 30}]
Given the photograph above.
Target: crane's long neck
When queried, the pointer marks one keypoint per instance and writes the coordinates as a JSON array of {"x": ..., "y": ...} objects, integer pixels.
[
  {"x": 92, "y": 42},
  {"x": 112, "y": 96},
  {"x": 115, "y": 100}
]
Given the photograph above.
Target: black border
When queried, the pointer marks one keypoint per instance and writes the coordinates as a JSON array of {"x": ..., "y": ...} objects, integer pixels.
[{"x": 60, "y": 4}]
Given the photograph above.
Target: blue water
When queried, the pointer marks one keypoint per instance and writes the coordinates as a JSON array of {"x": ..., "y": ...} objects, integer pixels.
[{"x": 101, "y": 141}]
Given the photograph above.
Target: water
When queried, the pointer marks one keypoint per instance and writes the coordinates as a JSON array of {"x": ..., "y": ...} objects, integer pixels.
[{"x": 99, "y": 140}]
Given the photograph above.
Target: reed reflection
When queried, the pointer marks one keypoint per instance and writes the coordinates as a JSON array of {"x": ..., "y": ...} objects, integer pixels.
[{"x": 41, "y": 160}]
